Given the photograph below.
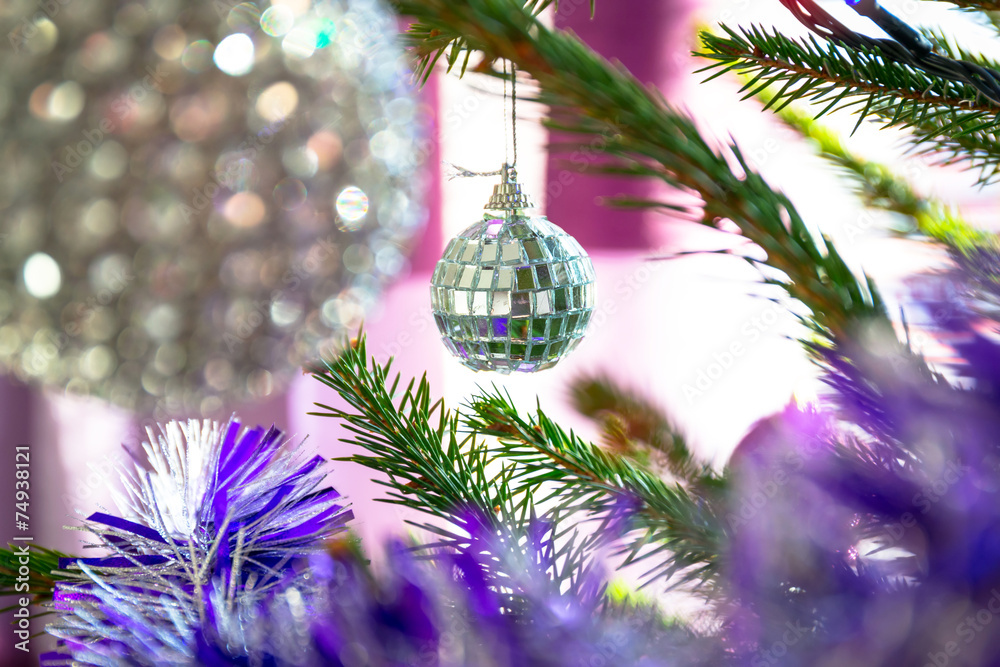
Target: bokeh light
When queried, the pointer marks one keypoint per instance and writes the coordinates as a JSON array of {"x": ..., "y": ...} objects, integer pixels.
[
  {"x": 234, "y": 55},
  {"x": 42, "y": 277},
  {"x": 277, "y": 21},
  {"x": 277, "y": 102},
  {"x": 290, "y": 193},
  {"x": 352, "y": 207},
  {"x": 197, "y": 55}
]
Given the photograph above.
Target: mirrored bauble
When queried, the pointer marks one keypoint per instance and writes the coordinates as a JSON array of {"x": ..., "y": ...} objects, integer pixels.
[
  {"x": 197, "y": 197},
  {"x": 512, "y": 292}
]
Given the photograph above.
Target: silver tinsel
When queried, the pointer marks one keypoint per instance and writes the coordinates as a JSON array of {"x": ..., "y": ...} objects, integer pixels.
[
  {"x": 196, "y": 197},
  {"x": 213, "y": 519},
  {"x": 512, "y": 292}
]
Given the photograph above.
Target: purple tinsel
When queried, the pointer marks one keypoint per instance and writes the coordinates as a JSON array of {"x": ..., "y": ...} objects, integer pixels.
[{"x": 212, "y": 526}]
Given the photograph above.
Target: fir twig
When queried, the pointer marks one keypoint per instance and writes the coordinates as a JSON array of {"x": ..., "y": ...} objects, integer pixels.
[
  {"x": 948, "y": 118},
  {"x": 639, "y": 134},
  {"x": 43, "y": 572},
  {"x": 411, "y": 438},
  {"x": 636, "y": 428},
  {"x": 459, "y": 479},
  {"x": 673, "y": 527},
  {"x": 415, "y": 441},
  {"x": 975, "y": 250}
]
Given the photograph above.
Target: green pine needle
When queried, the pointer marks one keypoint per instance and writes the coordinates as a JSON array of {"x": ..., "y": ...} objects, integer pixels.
[
  {"x": 43, "y": 572},
  {"x": 415, "y": 441},
  {"x": 975, "y": 250},
  {"x": 946, "y": 118},
  {"x": 636, "y": 428},
  {"x": 676, "y": 531}
]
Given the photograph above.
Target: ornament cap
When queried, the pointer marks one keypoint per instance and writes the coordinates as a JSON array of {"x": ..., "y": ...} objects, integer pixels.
[{"x": 507, "y": 196}]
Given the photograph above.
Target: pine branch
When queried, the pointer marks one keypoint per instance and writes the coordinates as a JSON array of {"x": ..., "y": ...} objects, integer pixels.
[
  {"x": 975, "y": 251},
  {"x": 948, "y": 46},
  {"x": 429, "y": 467},
  {"x": 43, "y": 572},
  {"x": 415, "y": 442},
  {"x": 948, "y": 118},
  {"x": 634, "y": 427},
  {"x": 676, "y": 528},
  {"x": 640, "y": 135}
]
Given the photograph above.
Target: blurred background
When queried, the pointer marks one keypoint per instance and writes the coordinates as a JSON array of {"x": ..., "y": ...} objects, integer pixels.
[{"x": 696, "y": 334}]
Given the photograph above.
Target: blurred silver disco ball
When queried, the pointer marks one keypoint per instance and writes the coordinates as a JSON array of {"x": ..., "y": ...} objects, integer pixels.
[{"x": 197, "y": 197}]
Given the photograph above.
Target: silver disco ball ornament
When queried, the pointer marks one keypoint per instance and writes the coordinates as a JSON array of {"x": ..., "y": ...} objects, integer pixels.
[
  {"x": 197, "y": 197},
  {"x": 512, "y": 292}
]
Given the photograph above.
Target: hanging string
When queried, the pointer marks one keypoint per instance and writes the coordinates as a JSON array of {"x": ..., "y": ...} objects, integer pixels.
[
  {"x": 506, "y": 154},
  {"x": 462, "y": 172},
  {"x": 513, "y": 109}
]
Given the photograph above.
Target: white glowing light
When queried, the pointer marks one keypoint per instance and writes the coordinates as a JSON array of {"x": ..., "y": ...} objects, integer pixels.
[
  {"x": 42, "y": 277},
  {"x": 234, "y": 55},
  {"x": 277, "y": 20},
  {"x": 352, "y": 205},
  {"x": 277, "y": 102},
  {"x": 66, "y": 101},
  {"x": 299, "y": 43}
]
